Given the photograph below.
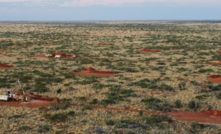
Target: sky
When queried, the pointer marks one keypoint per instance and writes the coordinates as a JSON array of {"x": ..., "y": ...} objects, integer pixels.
[{"x": 109, "y": 10}]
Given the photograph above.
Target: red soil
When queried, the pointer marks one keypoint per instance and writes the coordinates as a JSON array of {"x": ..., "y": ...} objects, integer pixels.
[
  {"x": 92, "y": 72},
  {"x": 219, "y": 52},
  {"x": 214, "y": 76},
  {"x": 87, "y": 33},
  {"x": 215, "y": 80},
  {"x": 36, "y": 101},
  {"x": 4, "y": 41},
  {"x": 148, "y": 34},
  {"x": 149, "y": 51},
  {"x": 5, "y": 66},
  {"x": 102, "y": 44},
  {"x": 213, "y": 63}
]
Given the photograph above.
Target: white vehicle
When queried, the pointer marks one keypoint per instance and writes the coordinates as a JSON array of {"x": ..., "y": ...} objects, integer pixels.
[{"x": 57, "y": 56}]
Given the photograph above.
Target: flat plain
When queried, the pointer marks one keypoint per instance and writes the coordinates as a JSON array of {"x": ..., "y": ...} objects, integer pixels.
[{"x": 159, "y": 90}]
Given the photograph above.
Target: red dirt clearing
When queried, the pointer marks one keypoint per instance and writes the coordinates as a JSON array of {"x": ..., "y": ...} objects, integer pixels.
[
  {"x": 219, "y": 52},
  {"x": 5, "y": 66},
  {"x": 214, "y": 63},
  {"x": 92, "y": 72},
  {"x": 215, "y": 79},
  {"x": 36, "y": 101},
  {"x": 149, "y": 51},
  {"x": 148, "y": 34}
]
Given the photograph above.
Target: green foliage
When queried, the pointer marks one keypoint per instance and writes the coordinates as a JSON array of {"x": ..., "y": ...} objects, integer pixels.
[
  {"x": 24, "y": 128},
  {"x": 141, "y": 113},
  {"x": 194, "y": 125},
  {"x": 126, "y": 121},
  {"x": 156, "y": 104},
  {"x": 71, "y": 113},
  {"x": 218, "y": 95},
  {"x": 60, "y": 117},
  {"x": 44, "y": 129},
  {"x": 83, "y": 108},
  {"x": 86, "y": 61},
  {"x": 153, "y": 119},
  {"x": 146, "y": 83},
  {"x": 59, "y": 91},
  {"x": 178, "y": 104},
  {"x": 16, "y": 116},
  {"x": 94, "y": 101},
  {"x": 192, "y": 104},
  {"x": 110, "y": 122}
]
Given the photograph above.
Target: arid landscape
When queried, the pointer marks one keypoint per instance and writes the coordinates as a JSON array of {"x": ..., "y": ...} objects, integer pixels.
[{"x": 111, "y": 77}]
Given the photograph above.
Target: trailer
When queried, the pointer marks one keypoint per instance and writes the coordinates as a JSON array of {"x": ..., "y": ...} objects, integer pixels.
[{"x": 4, "y": 97}]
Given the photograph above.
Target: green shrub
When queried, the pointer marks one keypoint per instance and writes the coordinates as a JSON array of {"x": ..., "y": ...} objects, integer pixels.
[
  {"x": 110, "y": 122},
  {"x": 44, "y": 128},
  {"x": 71, "y": 113},
  {"x": 218, "y": 95},
  {"x": 178, "y": 104},
  {"x": 60, "y": 117},
  {"x": 193, "y": 104},
  {"x": 194, "y": 125},
  {"x": 94, "y": 101},
  {"x": 59, "y": 91},
  {"x": 24, "y": 128}
]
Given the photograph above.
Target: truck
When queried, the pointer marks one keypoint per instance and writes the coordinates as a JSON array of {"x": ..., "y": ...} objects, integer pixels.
[{"x": 10, "y": 96}]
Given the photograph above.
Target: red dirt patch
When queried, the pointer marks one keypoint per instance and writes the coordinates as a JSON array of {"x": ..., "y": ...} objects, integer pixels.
[
  {"x": 199, "y": 117},
  {"x": 5, "y": 66},
  {"x": 36, "y": 101},
  {"x": 149, "y": 51},
  {"x": 215, "y": 79},
  {"x": 87, "y": 33},
  {"x": 92, "y": 72},
  {"x": 214, "y": 63},
  {"x": 219, "y": 52},
  {"x": 214, "y": 76},
  {"x": 148, "y": 34},
  {"x": 4, "y": 41}
]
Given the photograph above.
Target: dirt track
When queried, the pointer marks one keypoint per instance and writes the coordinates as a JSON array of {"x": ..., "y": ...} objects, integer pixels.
[{"x": 202, "y": 117}]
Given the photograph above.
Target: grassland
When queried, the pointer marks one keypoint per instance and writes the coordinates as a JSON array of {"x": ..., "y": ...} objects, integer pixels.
[{"x": 175, "y": 79}]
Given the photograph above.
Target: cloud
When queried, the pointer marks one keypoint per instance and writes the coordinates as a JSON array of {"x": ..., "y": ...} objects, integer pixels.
[{"x": 123, "y": 2}]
